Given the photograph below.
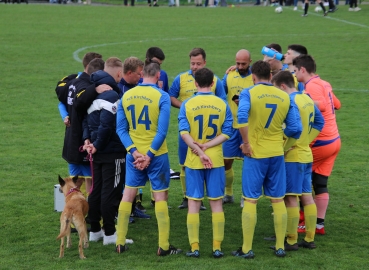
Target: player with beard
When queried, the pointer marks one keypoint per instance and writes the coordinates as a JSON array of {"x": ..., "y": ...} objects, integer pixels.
[{"x": 234, "y": 82}]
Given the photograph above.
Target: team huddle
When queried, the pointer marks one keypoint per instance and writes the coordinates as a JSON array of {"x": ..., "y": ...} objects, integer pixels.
[{"x": 277, "y": 116}]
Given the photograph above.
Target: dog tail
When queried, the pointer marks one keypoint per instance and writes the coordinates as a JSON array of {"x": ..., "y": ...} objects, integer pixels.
[{"x": 65, "y": 226}]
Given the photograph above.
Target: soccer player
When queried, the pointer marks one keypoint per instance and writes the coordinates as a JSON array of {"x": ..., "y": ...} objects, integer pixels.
[
  {"x": 262, "y": 110},
  {"x": 328, "y": 143},
  {"x": 298, "y": 160},
  {"x": 183, "y": 87},
  {"x": 66, "y": 90},
  {"x": 206, "y": 120},
  {"x": 142, "y": 126},
  {"x": 332, "y": 7},
  {"x": 293, "y": 51},
  {"x": 108, "y": 154},
  {"x": 155, "y": 54},
  {"x": 234, "y": 82},
  {"x": 275, "y": 64},
  {"x": 132, "y": 73}
]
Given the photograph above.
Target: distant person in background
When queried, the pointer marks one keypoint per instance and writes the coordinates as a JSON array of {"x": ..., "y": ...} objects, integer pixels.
[
  {"x": 132, "y": 3},
  {"x": 154, "y": 3},
  {"x": 198, "y": 3},
  {"x": 353, "y": 6}
]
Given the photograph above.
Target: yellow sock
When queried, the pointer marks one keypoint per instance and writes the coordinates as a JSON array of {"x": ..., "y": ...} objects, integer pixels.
[
  {"x": 182, "y": 178},
  {"x": 249, "y": 218},
  {"x": 193, "y": 226},
  {"x": 310, "y": 221},
  {"x": 123, "y": 220},
  {"x": 229, "y": 176},
  {"x": 293, "y": 216},
  {"x": 218, "y": 221},
  {"x": 162, "y": 216},
  {"x": 280, "y": 223}
]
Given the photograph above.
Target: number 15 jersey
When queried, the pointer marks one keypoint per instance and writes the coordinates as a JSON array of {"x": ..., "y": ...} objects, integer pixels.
[{"x": 205, "y": 116}]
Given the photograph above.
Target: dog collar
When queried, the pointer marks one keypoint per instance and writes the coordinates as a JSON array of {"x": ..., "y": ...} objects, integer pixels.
[{"x": 73, "y": 190}]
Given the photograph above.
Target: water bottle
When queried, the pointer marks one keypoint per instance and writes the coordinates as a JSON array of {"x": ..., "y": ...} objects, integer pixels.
[{"x": 270, "y": 53}]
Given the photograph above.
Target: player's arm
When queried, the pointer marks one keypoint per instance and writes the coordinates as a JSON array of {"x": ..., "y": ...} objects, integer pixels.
[
  {"x": 174, "y": 93},
  {"x": 122, "y": 129},
  {"x": 243, "y": 121},
  {"x": 164, "y": 78},
  {"x": 163, "y": 125},
  {"x": 293, "y": 126},
  {"x": 224, "y": 82},
  {"x": 64, "y": 113},
  {"x": 219, "y": 89},
  {"x": 85, "y": 97},
  {"x": 336, "y": 101},
  {"x": 317, "y": 125}
]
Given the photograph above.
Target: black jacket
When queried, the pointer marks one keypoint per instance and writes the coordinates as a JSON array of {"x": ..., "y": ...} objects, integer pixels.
[
  {"x": 66, "y": 91},
  {"x": 101, "y": 121}
]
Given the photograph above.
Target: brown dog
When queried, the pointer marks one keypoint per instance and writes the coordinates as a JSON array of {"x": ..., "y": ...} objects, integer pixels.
[{"x": 75, "y": 210}]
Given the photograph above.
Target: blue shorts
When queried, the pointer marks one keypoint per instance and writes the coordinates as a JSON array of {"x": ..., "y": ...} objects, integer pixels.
[
  {"x": 267, "y": 173},
  {"x": 182, "y": 150},
  {"x": 212, "y": 179},
  {"x": 158, "y": 172},
  {"x": 79, "y": 170},
  {"x": 231, "y": 147},
  {"x": 298, "y": 178}
]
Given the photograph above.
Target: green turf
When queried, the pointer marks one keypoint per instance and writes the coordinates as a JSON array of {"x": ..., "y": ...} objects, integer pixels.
[{"x": 38, "y": 42}]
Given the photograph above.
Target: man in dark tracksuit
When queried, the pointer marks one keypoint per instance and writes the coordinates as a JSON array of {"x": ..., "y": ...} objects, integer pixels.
[{"x": 108, "y": 154}]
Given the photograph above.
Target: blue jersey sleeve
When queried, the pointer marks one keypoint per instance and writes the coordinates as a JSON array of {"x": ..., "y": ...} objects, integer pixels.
[
  {"x": 224, "y": 81},
  {"x": 318, "y": 119},
  {"x": 183, "y": 124},
  {"x": 123, "y": 129},
  {"x": 163, "y": 124},
  {"x": 174, "y": 89},
  {"x": 293, "y": 121},
  {"x": 164, "y": 79},
  {"x": 62, "y": 110},
  {"x": 300, "y": 87},
  {"x": 227, "y": 127},
  {"x": 219, "y": 90},
  {"x": 244, "y": 107}
]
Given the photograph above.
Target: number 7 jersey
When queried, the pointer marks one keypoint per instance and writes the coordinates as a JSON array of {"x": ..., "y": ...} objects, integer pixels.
[
  {"x": 143, "y": 120},
  {"x": 264, "y": 108}
]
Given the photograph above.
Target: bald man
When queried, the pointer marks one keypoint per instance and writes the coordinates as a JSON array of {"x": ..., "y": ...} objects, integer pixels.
[{"x": 234, "y": 82}]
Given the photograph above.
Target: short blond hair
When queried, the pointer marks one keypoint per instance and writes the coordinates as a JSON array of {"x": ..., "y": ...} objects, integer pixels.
[
  {"x": 113, "y": 62},
  {"x": 131, "y": 64}
]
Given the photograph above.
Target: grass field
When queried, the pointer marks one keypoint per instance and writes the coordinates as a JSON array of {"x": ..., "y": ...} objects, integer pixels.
[{"x": 41, "y": 43}]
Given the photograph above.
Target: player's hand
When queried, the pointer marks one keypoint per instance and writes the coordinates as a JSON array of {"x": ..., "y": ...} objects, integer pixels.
[
  {"x": 246, "y": 149},
  {"x": 231, "y": 68},
  {"x": 102, "y": 88},
  {"x": 206, "y": 161},
  {"x": 142, "y": 162},
  {"x": 286, "y": 152},
  {"x": 202, "y": 146},
  {"x": 66, "y": 121},
  {"x": 136, "y": 155},
  {"x": 237, "y": 101}
]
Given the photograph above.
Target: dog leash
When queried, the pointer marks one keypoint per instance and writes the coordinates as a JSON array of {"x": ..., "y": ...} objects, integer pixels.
[{"x": 89, "y": 157}]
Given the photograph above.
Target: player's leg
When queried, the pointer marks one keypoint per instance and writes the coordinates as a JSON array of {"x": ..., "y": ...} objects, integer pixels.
[
  {"x": 195, "y": 194},
  {"x": 215, "y": 190},
  {"x": 325, "y": 12},
  {"x": 253, "y": 173},
  {"x": 182, "y": 152},
  {"x": 275, "y": 189},
  {"x": 294, "y": 181},
  {"x": 134, "y": 179},
  {"x": 306, "y": 8},
  {"x": 324, "y": 158},
  {"x": 229, "y": 179}
]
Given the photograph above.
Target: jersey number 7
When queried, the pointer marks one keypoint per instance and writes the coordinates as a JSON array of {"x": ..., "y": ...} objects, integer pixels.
[{"x": 274, "y": 108}]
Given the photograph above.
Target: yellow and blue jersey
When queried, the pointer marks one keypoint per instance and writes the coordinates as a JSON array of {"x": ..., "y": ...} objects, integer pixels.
[
  {"x": 233, "y": 84},
  {"x": 264, "y": 108},
  {"x": 143, "y": 120},
  {"x": 183, "y": 87},
  {"x": 298, "y": 85},
  {"x": 205, "y": 116},
  {"x": 311, "y": 118}
]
